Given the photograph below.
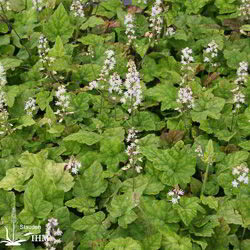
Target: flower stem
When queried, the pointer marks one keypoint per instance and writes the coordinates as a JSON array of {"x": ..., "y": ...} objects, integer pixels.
[{"x": 205, "y": 180}]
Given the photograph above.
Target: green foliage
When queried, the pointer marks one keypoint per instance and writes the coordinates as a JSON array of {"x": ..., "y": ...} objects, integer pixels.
[
  {"x": 176, "y": 165},
  {"x": 123, "y": 126},
  {"x": 34, "y": 205},
  {"x": 59, "y": 25}
]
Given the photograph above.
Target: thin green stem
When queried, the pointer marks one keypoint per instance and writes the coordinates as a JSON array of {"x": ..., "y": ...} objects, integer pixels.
[
  {"x": 235, "y": 115},
  {"x": 243, "y": 233},
  {"x": 115, "y": 111},
  {"x": 101, "y": 102},
  {"x": 205, "y": 179},
  {"x": 232, "y": 122},
  {"x": 133, "y": 178}
]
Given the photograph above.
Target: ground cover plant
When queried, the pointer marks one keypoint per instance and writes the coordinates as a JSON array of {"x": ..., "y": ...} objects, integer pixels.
[{"x": 124, "y": 124}]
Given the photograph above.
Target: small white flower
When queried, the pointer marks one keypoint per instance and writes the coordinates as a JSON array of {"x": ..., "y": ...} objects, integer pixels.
[
  {"x": 176, "y": 195},
  {"x": 180, "y": 192},
  {"x": 109, "y": 64},
  {"x": 245, "y": 180},
  {"x": 241, "y": 178},
  {"x": 43, "y": 50},
  {"x": 245, "y": 9},
  {"x": 133, "y": 91},
  {"x": 242, "y": 73},
  {"x": 156, "y": 19},
  {"x": 241, "y": 173},
  {"x": 185, "y": 97},
  {"x": 38, "y": 4},
  {"x": 171, "y": 193},
  {"x": 115, "y": 84},
  {"x": 138, "y": 169},
  {"x": 235, "y": 183},
  {"x": 73, "y": 165},
  {"x": 77, "y": 8},
  {"x": 30, "y": 106},
  {"x": 132, "y": 151},
  {"x": 128, "y": 22},
  {"x": 51, "y": 233},
  {"x": 238, "y": 99},
  {"x": 186, "y": 56},
  {"x": 2, "y": 76},
  {"x": 170, "y": 31},
  {"x": 174, "y": 200},
  {"x": 235, "y": 171},
  {"x": 63, "y": 102},
  {"x": 206, "y": 59}
]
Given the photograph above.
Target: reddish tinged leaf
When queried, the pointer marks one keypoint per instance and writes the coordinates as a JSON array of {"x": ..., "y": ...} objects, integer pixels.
[
  {"x": 172, "y": 136},
  {"x": 211, "y": 78},
  {"x": 112, "y": 24},
  {"x": 199, "y": 68},
  {"x": 134, "y": 9},
  {"x": 233, "y": 24}
]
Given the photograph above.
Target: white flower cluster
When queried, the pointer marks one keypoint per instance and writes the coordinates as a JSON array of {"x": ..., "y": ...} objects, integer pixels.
[
  {"x": 30, "y": 106},
  {"x": 211, "y": 52},
  {"x": 128, "y": 22},
  {"x": 2, "y": 99},
  {"x": 93, "y": 85},
  {"x": 4, "y": 115},
  {"x": 73, "y": 165},
  {"x": 156, "y": 19},
  {"x": 109, "y": 64},
  {"x": 38, "y": 4},
  {"x": 115, "y": 84},
  {"x": 133, "y": 151},
  {"x": 63, "y": 101},
  {"x": 170, "y": 31},
  {"x": 176, "y": 195},
  {"x": 133, "y": 91},
  {"x": 186, "y": 59},
  {"x": 5, "y": 4},
  {"x": 185, "y": 97},
  {"x": 186, "y": 56},
  {"x": 90, "y": 51},
  {"x": 242, "y": 73},
  {"x": 239, "y": 97},
  {"x": 77, "y": 8},
  {"x": 43, "y": 50},
  {"x": 52, "y": 233},
  {"x": 245, "y": 9},
  {"x": 241, "y": 173},
  {"x": 199, "y": 152},
  {"x": 2, "y": 76}
]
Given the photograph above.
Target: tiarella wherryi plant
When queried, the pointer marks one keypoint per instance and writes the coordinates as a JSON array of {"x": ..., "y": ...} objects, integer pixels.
[
  {"x": 238, "y": 96},
  {"x": 124, "y": 124},
  {"x": 133, "y": 93},
  {"x": 130, "y": 31},
  {"x": 52, "y": 231},
  {"x": 245, "y": 9},
  {"x": 210, "y": 53},
  {"x": 77, "y": 8},
  {"x": 62, "y": 103},
  {"x": 156, "y": 20},
  {"x": 38, "y": 4}
]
